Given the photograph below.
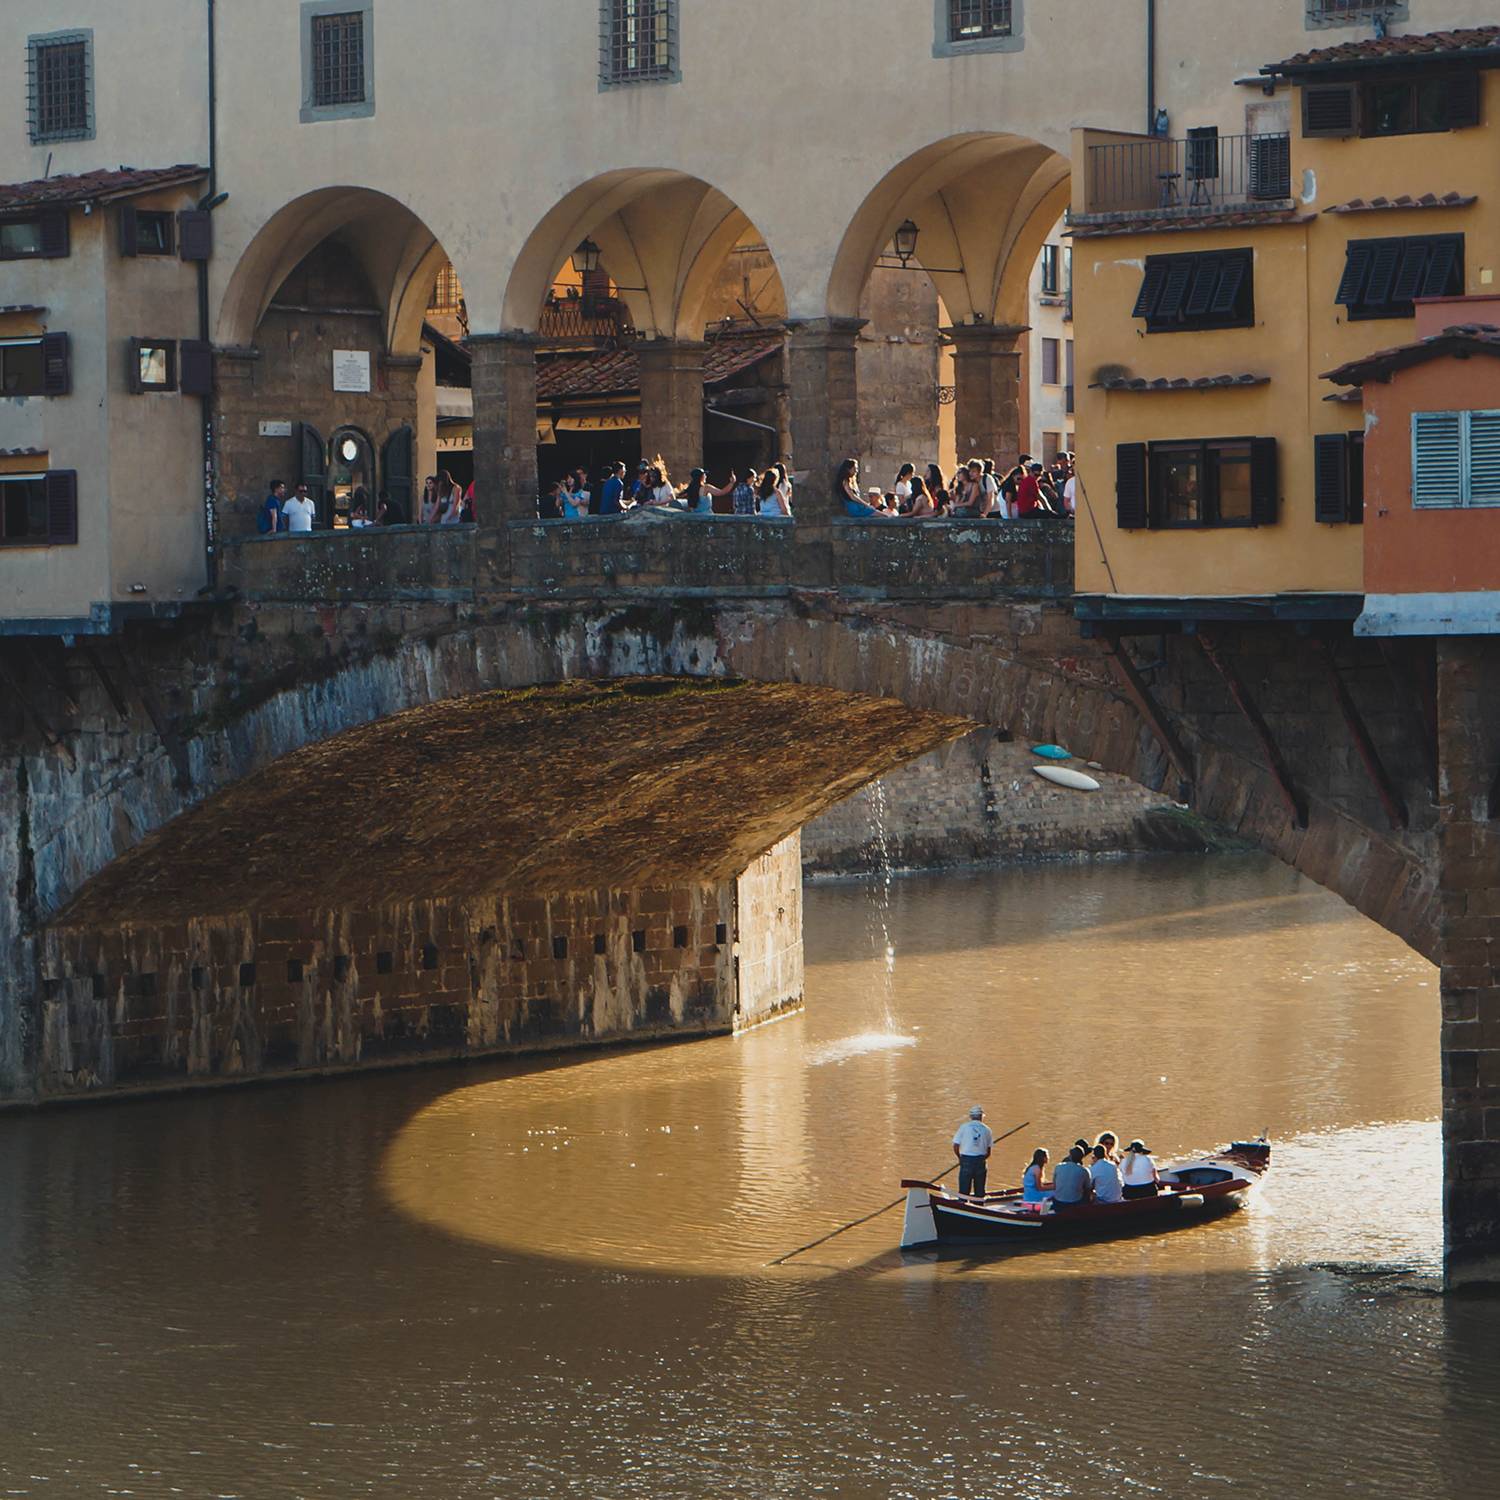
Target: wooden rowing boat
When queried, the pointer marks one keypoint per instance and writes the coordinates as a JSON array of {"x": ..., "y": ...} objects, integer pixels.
[{"x": 1190, "y": 1191}]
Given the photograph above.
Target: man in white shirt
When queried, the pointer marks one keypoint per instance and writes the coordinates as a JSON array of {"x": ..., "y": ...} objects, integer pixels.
[
  {"x": 1109, "y": 1187},
  {"x": 299, "y": 511},
  {"x": 972, "y": 1144},
  {"x": 1070, "y": 495}
]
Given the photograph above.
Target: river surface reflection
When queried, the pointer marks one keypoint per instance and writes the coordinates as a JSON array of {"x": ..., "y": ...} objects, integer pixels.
[{"x": 551, "y": 1279}]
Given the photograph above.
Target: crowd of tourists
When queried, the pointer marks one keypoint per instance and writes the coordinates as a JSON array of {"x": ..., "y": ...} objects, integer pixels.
[
  {"x": 444, "y": 502},
  {"x": 977, "y": 490},
  {"x": 1089, "y": 1173},
  {"x": 574, "y": 497}
]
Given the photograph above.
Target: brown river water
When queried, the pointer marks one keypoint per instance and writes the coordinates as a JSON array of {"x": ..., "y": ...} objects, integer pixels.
[{"x": 550, "y": 1278}]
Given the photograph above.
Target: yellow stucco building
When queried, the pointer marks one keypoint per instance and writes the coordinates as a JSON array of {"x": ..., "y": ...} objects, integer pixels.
[{"x": 1216, "y": 280}]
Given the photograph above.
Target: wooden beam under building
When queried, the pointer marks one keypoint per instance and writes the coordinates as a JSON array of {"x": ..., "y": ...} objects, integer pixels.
[
  {"x": 1385, "y": 788},
  {"x": 1137, "y": 690}
]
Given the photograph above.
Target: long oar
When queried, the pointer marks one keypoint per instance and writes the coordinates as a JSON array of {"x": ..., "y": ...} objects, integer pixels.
[{"x": 855, "y": 1223}]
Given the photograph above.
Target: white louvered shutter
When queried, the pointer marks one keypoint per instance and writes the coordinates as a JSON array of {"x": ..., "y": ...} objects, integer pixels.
[
  {"x": 1437, "y": 458},
  {"x": 1484, "y": 457}
]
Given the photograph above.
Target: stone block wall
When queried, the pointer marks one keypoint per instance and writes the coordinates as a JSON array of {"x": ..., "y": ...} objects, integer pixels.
[
  {"x": 769, "y": 921},
  {"x": 978, "y": 799},
  {"x": 257, "y": 995}
]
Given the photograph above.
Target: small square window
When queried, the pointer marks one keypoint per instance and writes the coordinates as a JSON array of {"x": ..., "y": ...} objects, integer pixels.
[
  {"x": 153, "y": 233},
  {"x": 60, "y": 86},
  {"x": 964, "y": 26},
  {"x": 638, "y": 42},
  {"x": 559, "y": 946},
  {"x": 1051, "y": 361},
  {"x": 153, "y": 365},
  {"x": 338, "y": 76},
  {"x": 383, "y": 963},
  {"x": 721, "y": 933},
  {"x": 679, "y": 937},
  {"x": 430, "y": 956},
  {"x": 599, "y": 943},
  {"x": 23, "y": 509},
  {"x": 21, "y": 367},
  {"x": 638, "y": 940},
  {"x": 1051, "y": 272},
  {"x": 247, "y": 976}
]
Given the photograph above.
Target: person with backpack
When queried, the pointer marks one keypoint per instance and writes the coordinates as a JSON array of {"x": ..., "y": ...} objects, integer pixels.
[{"x": 270, "y": 518}]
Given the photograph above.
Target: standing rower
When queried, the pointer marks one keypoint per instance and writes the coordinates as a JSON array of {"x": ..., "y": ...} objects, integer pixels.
[{"x": 972, "y": 1144}]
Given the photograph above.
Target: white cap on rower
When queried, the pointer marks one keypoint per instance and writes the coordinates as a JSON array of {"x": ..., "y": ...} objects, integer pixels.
[{"x": 977, "y": 1113}]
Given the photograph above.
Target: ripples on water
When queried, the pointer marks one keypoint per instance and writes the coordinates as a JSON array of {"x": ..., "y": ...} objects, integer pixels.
[{"x": 550, "y": 1279}]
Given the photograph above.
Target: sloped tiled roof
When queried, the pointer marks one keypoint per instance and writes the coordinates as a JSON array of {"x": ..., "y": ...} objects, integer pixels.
[
  {"x": 1472, "y": 41},
  {"x": 1178, "y": 382},
  {"x": 1427, "y": 200},
  {"x": 1461, "y": 338},
  {"x": 616, "y": 370},
  {"x": 95, "y": 187},
  {"x": 1249, "y": 218}
]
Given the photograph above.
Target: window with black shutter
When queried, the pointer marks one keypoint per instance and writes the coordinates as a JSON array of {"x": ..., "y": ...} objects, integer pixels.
[
  {"x": 1330, "y": 109},
  {"x": 1181, "y": 293},
  {"x": 21, "y": 367},
  {"x": 39, "y": 236},
  {"x": 1331, "y": 477},
  {"x": 39, "y": 510},
  {"x": 145, "y": 231},
  {"x": 150, "y": 365},
  {"x": 1381, "y": 278},
  {"x": 1197, "y": 483},
  {"x": 195, "y": 234},
  {"x": 195, "y": 367},
  {"x": 1420, "y": 104}
]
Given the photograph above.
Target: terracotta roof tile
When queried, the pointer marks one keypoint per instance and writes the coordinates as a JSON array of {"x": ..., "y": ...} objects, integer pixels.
[
  {"x": 1427, "y": 200},
  {"x": 1460, "y": 338},
  {"x": 1249, "y": 218},
  {"x": 12, "y": 308},
  {"x": 95, "y": 187},
  {"x": 1478, "y": 40},
  {"x": 618, "y": 370},
  {"x": 1178, "y": 383}
]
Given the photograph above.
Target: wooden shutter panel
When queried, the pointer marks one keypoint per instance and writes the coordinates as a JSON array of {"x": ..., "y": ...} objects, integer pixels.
[
  {"x": 1357, "y": 256},
  {"x": 195, "y": 367},
  {"x": 55, "y": 242},
  {"x": 1270, "y": 166},
  {"x": 195, "y": 234},
  {"x": 1330, "y": 477},
  {"x": 1205, "y": 282},
  {"x": 1356, "y": 487},
  {"x": 1463, "y": 100},
  {"x": 60, "y": 488},
  {"x": 57, "y": 365},
  {"x": 130, "y": 229},
  {"x": 1150, "y": 294},
  {"x": 397, "y": 466},
  {"x": 1409, "y": 277},
  {"x": 133, "y": 367},
  {"x": 1132, "y": 511},
  {"x": 1179, "y": 276},
  {"x": 1484, "y": 458},
  {"x": 1445, "y": 277},
  {"x": 1382, "y": 273},
  {"x": 1264, "y": 477},
  {"x": 1437, "y": 460},
  {"x": 312, "y": 465},
  {"x": 1330, "y": 109},
  {"x": 1231, "y": 278}
]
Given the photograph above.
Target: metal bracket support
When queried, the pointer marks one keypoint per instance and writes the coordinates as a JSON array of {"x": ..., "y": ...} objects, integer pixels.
[
  {"x": 1139, "y": 693},
  {"x": 1385, "y": 788}
]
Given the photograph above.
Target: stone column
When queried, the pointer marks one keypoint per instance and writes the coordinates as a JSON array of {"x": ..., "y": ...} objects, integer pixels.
[
  {"x": 672, "y": 404},
  {"x": 988, "y": 399},
  {"x": 1469, "y": 948},
  {"x": 504, "y": 376},
  {"x": 820, "y": 363}
]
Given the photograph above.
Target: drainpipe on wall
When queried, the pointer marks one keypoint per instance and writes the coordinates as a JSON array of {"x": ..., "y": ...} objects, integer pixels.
[
  {"x": 209, "y": 201},
  {"x": 1150, "y": 66}
]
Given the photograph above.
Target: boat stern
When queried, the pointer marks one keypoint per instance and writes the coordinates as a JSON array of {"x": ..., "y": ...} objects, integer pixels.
[{"x": 919, "y": 1227}]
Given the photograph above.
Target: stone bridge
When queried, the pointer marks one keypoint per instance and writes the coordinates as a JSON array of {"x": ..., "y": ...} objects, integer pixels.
[{"x": 427, "y": 792}]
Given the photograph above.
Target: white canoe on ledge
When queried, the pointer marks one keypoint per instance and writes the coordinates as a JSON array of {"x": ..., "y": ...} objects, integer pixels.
[{"x": 1066, "y": 776}]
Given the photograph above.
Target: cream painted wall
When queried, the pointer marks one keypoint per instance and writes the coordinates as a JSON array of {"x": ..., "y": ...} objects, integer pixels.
[{"x": 1048, "y": 405}]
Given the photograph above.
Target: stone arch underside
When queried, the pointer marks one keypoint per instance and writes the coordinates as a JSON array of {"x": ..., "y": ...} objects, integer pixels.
[
  {"x": 398, "y": 255},
  {"x": 828, "y": 696},
  {"x": 983, "y": 204}
]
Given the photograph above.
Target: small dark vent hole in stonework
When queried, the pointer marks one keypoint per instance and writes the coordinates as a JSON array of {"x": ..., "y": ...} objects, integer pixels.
[
  {"x": 430, "y": 956},
  {"x": 294, "y": 971},
  {"x": 145, "y": 985},
  {"x": 638, "y": 940},
  {"x": 341, "y": 966},
  {"x": 51, "y": 988},
  {"x": 100, "y": 991},
  {"x": 559, "y": 947},
  {"x": 247, "y": 976},
  {"x": 488, "y": 935},
  {"x": 598, "y": 942},
  {"x": 721, "y": 933},
  {"x": 679, "y": 937},
  {"x": 197, "y": 977},
  {"x": 383, "y": 963},
  {"x": 518, "y": 949}
]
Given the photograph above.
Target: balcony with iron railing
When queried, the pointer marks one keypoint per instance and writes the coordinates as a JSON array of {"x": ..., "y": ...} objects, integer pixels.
[{"x": 1204, "y": 173}]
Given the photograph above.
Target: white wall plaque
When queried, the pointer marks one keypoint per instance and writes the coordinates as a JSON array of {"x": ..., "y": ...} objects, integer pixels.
[
  {"x": 276, "y": 429},
  {"x": 351, "y": 369}
]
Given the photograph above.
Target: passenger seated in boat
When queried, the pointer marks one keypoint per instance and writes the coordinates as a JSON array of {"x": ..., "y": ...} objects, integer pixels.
[
  {"x": 1139, "y": 1172},
  {"x": 1071, "y": 1183},
  {"x": 1111, "y": 1144},
  {"x": 1033, "y": 1188},
  {"x": 1108, "y": 1187}
]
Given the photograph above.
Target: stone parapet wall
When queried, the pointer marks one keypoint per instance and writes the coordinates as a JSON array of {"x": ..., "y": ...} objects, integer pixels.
[{"x": 978, "y": 799}]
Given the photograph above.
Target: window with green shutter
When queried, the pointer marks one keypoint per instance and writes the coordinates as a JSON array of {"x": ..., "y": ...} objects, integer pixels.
[{"x": 1455, "y": 459}]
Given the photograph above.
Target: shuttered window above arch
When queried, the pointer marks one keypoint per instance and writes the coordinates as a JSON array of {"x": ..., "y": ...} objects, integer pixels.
[
  {"x": 1382, "y": 278},
  {"x": 40, "y": 509},
  {"x": 1181, "y": 293},
  {"x": 1197, "y": 483},
  {"x": 1339, "y": 477},
  {"x": 1455, "y": 459}
]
